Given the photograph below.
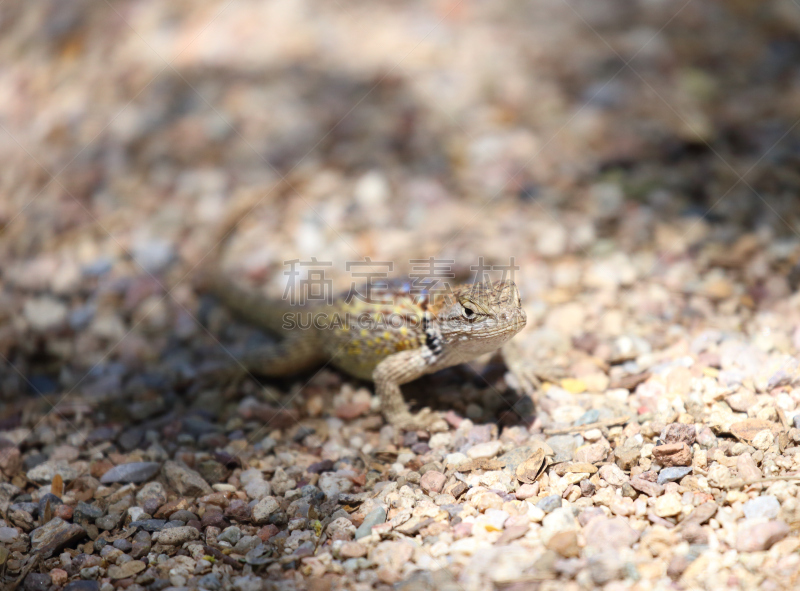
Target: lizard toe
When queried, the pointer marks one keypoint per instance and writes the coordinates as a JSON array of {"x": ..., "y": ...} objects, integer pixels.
[{"x": 413, "y": 422}]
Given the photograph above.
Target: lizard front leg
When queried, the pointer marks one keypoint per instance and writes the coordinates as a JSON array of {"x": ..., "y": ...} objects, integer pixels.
[
  {"x": 397, "y": 369},
  {"x": 527, "y": 374}
]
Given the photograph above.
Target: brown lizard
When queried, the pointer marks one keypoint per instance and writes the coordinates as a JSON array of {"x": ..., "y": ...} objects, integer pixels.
[{"x": 392, "y": 338}]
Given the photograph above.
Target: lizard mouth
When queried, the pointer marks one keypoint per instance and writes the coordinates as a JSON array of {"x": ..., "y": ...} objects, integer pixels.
[
  {"x": 516, "y": 320},
  {"x": 515, "y": 317}
]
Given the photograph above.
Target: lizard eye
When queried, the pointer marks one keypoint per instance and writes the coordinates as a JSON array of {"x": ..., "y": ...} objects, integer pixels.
[{"x": 469, "y": 313}]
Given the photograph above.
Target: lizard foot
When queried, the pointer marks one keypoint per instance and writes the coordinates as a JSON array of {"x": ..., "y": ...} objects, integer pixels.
[
  {"x": 412, "y": 422},
  {"x": 527, "y": 377}
]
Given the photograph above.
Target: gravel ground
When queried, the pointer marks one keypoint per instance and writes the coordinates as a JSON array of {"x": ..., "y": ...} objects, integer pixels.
[{"x": 638, "y": 161}]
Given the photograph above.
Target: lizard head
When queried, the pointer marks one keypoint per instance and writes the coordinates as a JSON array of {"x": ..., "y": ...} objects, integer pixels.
[{"x": 481, "y": 317}]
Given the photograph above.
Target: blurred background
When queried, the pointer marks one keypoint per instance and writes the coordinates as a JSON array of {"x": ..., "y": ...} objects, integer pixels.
[
  {"x": 637, "y": 159},
  {"x": 648, "y": 145}
]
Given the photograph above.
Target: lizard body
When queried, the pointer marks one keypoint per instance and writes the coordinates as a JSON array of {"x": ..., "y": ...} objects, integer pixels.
[{"x": 393, "y": 337}]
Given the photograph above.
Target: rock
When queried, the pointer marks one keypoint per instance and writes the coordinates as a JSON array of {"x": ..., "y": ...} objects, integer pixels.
[
  {"x": 612, "y": 474},
  {"x": 86, "y": 512},
  {"x": 673, "y": 454},
  {"x": 153, "y": 254},
  {"x": 432, "y": 482},
  {"x": 764, "y": 507},
  {"x": 352, "y": 550},
  {"x": 627, "y": 456},
  {"x": 559, "y": 520},
  {"x": 44, "y": 313},
  {"x": 551, "y": 240},
  {"x": 238, "y": 510},
  {"x": 183, "y": 515},
  {"x": 747, "y": 468},
  {"x": 679, "y": 433},
  {"x": 37, "y": 582},
  {"x": 213, "y": 471},
  {"x": 45, "y": 472},
  {"x": 563, "y": 447},
  {"x": 677, "y": 565},
  {"x": 141, "y": 544},
  {"x": 48, "y": 499},
  {"x": 668, "y": 505},
  {"x": 232, "y": 535},
  {"x": 59, "y": 577},
  {"x": 10, "y": 460},
  {"x": 518, "y": 455},
  {"x": 210, "y": 582},
  {"x": 701, "y": 514},
  {"x": 604, "y": 533},
  {"x": 323, "y": 466},
  {"x": 8, "y": 535},
  {"x": 605, "y": 567},
  {"x": 455, "y": 459},
  {"x": 549, "y": 503},
  {"x": 126, "y": 569},
  {"x": 748, "y": 429},
  {"x": 763, "y": 440},
  {"x": 175, "y": 536},
  {"x": 246, "y": 543},
  {"x": 247, "y": 583},
  {"x": 673, "y": 474},
  {"x": 575, "y": 468},
  {"x": 21, "y": 518},
  {"x": 134, "y": 472},
  {"x": 254, "y": 484},
  {"x": 149, "y": 524},
  {"x": 83, "y": 586},
  {"x": 496, "y": 518},
  {"x": 341, "y": 528},
  {"x": 264, "y": 509},
  {"x": 184, "y": 480},
  {"x": 719, "y": 476},
  {"x": 589, "y": 514},
  {"x": 527, "y": 491},
  {"x": 65, "y": 512},
  {"x": 651, "y": 489},
  {"x": 693, "y": 533},
  {"x": 151, "y": 491},
  {"x": 591, "y": 453},
  {"x": 593, "y": 435},
  {"x": 55, "y": 535},
  {"x": 760, "y": 536},
  {"x": 741, "y": 401},
  {"x": 109, "y": 522},
  {"x": 266, "y": 532},
  {"x": 352, "y": 410},
  {"x": 485, "y": 450},
  {"x": 565, "y": 543},
  {"x": 374, "y": 517},
  {"x": 123, "y": 544}
]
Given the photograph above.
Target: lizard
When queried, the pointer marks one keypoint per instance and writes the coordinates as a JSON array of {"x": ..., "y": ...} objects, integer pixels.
[{"x": 392, "y": 337}]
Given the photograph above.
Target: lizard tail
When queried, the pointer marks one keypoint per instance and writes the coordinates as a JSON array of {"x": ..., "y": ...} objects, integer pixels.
[{"x": 248, "y": 304}]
